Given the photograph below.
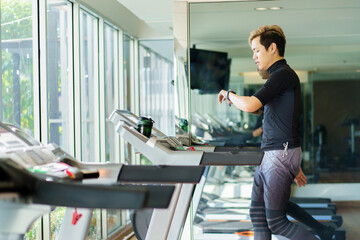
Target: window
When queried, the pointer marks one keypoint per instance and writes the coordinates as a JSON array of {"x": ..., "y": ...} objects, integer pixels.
[
  {"x": 16, "y": 84},
  {"x": 68, "y": 103},
  {"x": 126, "y": 86},
  {"x": 89, "y": 87},
  {"x": 59, "y": 72},
  {"x": 127, "y": 69},
  {"x": 59, "y": 81},
  {"x": 156, "y": 91},
  {"x": 111, "y": 137},
  {"x": 17, "y": 75},
  {"x": 110, "y": 55},
  {"x": 89, "y": 102}
]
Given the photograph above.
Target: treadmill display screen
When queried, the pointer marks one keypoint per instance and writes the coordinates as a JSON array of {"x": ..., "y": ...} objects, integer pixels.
[
  {"x": 12, "y": 138},
  {"x": 9, "y": 141}
]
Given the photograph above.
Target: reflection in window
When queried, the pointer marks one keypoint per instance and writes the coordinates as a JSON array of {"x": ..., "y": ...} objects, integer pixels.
[
  {"x": 156, "y": 91},
  {"x": 16, "y": 84},
  {"x": 88, "y": 85}
]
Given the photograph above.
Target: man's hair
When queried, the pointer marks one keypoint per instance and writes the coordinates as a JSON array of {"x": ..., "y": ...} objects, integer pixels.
[{"x": 270, "y": 34}]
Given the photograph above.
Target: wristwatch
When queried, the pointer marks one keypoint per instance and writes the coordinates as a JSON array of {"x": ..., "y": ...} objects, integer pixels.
[{"x": 227, "y": 94}]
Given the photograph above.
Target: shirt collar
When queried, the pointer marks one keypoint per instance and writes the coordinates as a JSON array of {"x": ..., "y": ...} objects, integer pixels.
[{"x": 276, "y": 65}]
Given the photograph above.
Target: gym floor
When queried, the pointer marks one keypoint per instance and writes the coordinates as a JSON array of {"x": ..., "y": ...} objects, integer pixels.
[{"x": 350, "y": 211}]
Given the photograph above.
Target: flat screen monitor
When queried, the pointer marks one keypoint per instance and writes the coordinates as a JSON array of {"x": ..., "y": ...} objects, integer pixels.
[{"x": 209, "y": 70}]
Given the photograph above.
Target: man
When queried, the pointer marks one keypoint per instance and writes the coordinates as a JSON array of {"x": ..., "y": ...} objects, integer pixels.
[
  {"x": 280, "y": 97},
  {"x": 324, "y": 232}
]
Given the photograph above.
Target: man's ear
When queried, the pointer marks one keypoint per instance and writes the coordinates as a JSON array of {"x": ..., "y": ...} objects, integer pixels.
[{"x": 273, "y": 48}]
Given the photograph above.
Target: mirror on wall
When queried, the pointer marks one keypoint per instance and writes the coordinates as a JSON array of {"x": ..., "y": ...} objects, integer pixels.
[
  {"x": 323, "y": 46},
  {"x": 181, "y": 79}
]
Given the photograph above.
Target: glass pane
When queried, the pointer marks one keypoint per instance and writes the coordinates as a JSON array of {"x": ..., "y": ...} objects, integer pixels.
[
  {"x": 109, "y": 61},
  {"x": 113, "y": 220},
  {"x": 156, "y": 91},
  {"x": 59, "y": 38},
  {"x": 94, "y": 232},
  {"x": 126, "y": 82},
  {"x": 16, "y": 84},
  {"x": 110, "y": 54},
  {"x": 56, "y": 218},
  {"x": 88, "y": 101},
  {"x": 88, "y": 85},
  {"x": 58, "y": 76},
  {"x": 127, "y": 70}
]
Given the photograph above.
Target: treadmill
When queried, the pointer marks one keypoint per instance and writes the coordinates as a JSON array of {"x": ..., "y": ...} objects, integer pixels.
[
  {"x": 228, "y": 211},
  {"x": 161, "y": 149},
  {"x": 34, "y": 178}
]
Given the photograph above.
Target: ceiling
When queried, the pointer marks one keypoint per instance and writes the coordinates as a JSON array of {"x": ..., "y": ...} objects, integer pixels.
[
  {"x": 322, "y": 36},
  {"x": 158, "y": 14}
]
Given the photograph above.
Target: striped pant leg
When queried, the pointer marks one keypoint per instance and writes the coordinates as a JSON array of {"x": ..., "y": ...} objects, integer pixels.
[
  {"x": 257, "y": 209},
  {"x": 278, "y": 172},
  {"x": 280, "y": 225}
]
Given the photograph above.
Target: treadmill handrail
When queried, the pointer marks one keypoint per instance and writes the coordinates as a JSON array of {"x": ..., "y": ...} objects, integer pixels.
[
  {"x": 41, "y": 189},
  {"x": 241, "y": 157},
  {"x": 161, "y": 173}
]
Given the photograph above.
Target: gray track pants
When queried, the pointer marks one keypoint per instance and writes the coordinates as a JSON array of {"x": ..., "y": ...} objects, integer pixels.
[{"x": 271, "y": 193}]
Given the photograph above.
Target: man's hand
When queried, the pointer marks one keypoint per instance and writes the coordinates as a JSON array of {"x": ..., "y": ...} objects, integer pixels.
[
  {"x": 257, "y": 132},
  {"x": 300, "y": 179},
  {"x": 222, "y": 97}
]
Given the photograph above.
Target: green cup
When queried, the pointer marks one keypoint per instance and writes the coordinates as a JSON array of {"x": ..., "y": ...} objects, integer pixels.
[{"x": 144, "y": 126}]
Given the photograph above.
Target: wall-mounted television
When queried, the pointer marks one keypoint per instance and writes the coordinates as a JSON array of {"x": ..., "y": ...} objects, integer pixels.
[{"x": 209, "y": 70}]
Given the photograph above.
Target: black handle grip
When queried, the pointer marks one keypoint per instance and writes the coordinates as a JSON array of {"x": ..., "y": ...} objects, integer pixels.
[
  {"x": 244, "y": 156},
  {"x": 162, "y": 174},
  {"x": 89, "y": 196}
]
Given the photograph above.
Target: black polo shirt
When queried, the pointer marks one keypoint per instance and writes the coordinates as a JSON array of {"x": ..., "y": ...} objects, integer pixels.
[{"x": 281, "y": 97}]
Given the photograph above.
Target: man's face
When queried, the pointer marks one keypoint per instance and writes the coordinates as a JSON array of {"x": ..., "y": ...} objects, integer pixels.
[{"x": 263, "y": 58}]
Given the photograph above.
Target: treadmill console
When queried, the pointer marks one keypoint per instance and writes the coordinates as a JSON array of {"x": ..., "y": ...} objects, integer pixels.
[
  {"x": 35, "y": 177},
  {"x": 158, "y": 148},
  {"x": 162, "y": 149},
  {"x": 170, "y": 142},
  {"x": 29, "y": 154},
  {"x": 45, "y": 174}
]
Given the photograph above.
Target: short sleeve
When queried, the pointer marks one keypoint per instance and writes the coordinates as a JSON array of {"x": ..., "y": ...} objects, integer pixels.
[{"x": 276, "y": 84}]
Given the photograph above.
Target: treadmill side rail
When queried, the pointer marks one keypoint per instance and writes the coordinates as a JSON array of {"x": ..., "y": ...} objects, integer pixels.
[
  {"x": 165, "y": 174},
  {"x": 243, "y": 157}
]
